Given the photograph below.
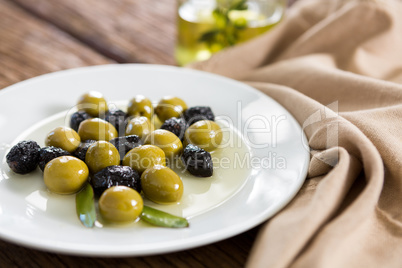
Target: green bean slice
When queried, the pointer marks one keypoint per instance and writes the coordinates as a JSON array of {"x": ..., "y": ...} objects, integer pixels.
[
  {"x": 162, "y": 219},
  {"x": 85, "y": 206}
]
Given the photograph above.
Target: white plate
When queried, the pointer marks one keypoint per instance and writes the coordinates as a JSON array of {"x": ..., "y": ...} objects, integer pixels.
[{"x": 269, "y": 178}]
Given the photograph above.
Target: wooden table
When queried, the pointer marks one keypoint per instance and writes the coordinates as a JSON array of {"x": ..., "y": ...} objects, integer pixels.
[{"x": 41, "y": 36}]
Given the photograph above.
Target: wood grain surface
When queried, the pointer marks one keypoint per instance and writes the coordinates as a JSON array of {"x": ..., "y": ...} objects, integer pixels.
[
  {"x": 229, "y": 253},
  {"x": 123, "y": 30},
  {"x": 30, "y": 47},
  {"x": 41, "y": 36}
]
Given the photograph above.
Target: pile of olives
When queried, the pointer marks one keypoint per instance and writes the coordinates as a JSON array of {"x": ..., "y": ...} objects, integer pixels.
[{"x": 122, "y": 154}]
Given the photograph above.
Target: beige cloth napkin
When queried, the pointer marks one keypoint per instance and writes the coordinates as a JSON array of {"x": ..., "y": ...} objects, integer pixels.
[{"x": 337, "y": 67}]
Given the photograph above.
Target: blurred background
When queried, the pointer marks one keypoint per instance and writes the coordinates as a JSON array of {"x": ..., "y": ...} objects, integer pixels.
[{"x": 41, "y": 36}]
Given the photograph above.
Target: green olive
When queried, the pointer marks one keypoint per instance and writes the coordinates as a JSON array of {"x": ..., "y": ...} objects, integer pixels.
[
  {"x": 169, "y": 107},
  {"x": 167, "y": 141},
  {"x": 93, "y": 103},
  {"x": 140, "y": 126},
  {"x": 161, "y": 185},
  {"x": 205, "y": 134},
  {"x": 140, "y": 106},
  {"x": 101, "y": 154},
  {"x": 97, "y": 129},
  {"x": 63, "y": 137},
  {"x": 142, "y": 157},
  {"x": 120, "y": 204},
  {"x": 65, "y": 175}
]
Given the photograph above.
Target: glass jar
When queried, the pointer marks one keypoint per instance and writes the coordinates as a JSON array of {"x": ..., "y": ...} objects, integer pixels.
[{"x": 207, "y": 26}]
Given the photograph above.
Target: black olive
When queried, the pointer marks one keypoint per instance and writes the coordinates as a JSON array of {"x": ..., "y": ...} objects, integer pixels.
[
  {"x": 23, "y": 157},
  {"x": 197, "y": 161},
  {"x": 113, "y": 176},
  {"x": 125, "y": 144},
  {"x": 198, "y": 113},
  {"x": 118, "y": 119},
  {"x": 77, "y": 118},
  {"x": 176, "y": 125},
  {"x": 49, "y": 153},
  {"x": 82, "y": 149}
]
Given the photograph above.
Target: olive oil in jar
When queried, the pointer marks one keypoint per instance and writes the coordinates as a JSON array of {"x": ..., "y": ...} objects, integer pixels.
[{"x": 207, "y": 26}]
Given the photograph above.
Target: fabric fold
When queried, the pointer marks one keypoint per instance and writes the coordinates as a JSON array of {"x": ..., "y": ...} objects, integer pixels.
[{"x": 337, "y": 67}]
